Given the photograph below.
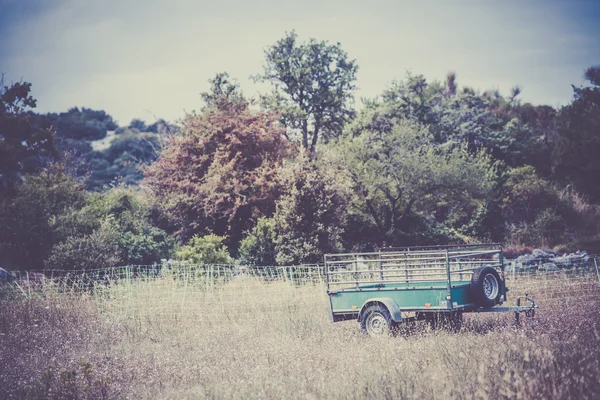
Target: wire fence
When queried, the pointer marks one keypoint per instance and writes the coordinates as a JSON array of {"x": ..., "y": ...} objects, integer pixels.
[{"x": 180, "y": 290}]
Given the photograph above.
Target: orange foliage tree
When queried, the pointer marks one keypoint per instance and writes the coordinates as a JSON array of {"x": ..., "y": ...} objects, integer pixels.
[{"x": 221, "y": 173}]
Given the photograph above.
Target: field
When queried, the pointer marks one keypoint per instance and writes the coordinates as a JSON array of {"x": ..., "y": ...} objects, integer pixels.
[{"x": 251, "y": 338}]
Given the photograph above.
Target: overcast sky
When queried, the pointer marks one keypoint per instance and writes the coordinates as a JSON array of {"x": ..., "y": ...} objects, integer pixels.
[{"x": 140, "y": 58}]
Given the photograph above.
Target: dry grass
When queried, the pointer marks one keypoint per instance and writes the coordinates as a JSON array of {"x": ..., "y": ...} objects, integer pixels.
[{"x": 248, "y": 339}]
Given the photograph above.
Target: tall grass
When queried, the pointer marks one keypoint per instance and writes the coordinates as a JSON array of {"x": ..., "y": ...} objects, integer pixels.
[{"x": 255, "y": 338}]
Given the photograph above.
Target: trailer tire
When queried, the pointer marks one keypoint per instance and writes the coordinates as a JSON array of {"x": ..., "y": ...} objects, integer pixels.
[
  {"x": 376, "y": 321},
  {"x": 486, "y": 287}
]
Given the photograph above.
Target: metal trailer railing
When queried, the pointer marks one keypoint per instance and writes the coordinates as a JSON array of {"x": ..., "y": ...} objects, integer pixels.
[{"x": 439, "y": 265}]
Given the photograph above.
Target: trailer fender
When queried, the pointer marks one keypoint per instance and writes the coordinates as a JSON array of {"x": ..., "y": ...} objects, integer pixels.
[{"x": 388, "y": 303}]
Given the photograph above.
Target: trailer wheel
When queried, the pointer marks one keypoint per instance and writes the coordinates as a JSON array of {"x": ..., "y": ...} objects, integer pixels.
[
  {"x": 486, "y": 287},
  {"x": 376, "y": 321}
]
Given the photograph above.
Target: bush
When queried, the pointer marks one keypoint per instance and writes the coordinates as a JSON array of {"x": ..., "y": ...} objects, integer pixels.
[
  {"x": 30, "y": 217},
  {"x": 258, "y": 248},
  {"x": 538, "y": 214},
  {"x": 137, "y": 238},
  {"x": 97, "y": 250},
  {"x": 208, "y": 249}
]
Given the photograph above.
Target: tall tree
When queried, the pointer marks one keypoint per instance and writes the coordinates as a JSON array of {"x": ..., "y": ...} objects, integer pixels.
[
  {"x": 312, "y": 87},
  {"x": 23, "y": 147},
  {"x": 577, "y": 148},
  {"x": 311, "y": 215}
]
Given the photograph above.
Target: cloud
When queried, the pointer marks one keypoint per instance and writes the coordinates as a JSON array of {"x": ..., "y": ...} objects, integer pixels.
[{"x": 129, "y": 57}]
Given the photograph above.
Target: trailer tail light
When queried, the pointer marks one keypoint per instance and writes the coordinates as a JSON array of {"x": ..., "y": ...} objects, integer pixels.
[
  {"x": 354, "y": 307},
  {"x": 427, "y": 304}
]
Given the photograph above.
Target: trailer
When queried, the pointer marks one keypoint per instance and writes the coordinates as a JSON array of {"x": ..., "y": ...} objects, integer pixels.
[{"x": 385, "y": 289}]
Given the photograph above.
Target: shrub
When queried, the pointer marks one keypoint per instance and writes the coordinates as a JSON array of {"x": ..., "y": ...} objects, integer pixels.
[
  {"x": 258, "y": 248},
  {"x": 30, "y": 218},
  {"x": 100, "y": 249},
  {"x": 208, "y": 249}
]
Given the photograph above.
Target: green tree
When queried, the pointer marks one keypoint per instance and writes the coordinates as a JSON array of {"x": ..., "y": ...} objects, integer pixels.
[
  {"x": 31, "y": 216},
  {"x": 457, "y": 117},
  {"x": 537, "y": 213},
  {"x": 224, "y": 91},
  {"x": 410, "y": 189},
  {"x": 577, "y": 146},
  {"x": 123, "y": 160},
  {"x": 311, "y": 215},
  {"x": 313, "y": 84},
  {"x": 100, "y": 249},
  {"x": 128, "y": 213},
  {"x": 24, "y": 148}
]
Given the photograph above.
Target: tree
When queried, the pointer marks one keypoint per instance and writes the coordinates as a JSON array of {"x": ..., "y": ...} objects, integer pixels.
[
  {"x": 576, "y": 149},
  {"x": 31, "y": 216},
  {"x": 224, "y": 91},
  {"x": 221, "y": 172},
  {"x": 311, "y": 215},
  {"x": 457, "y": 117},
  {"x": 138, "y": 124},
  {"x": 123, "y": 160},
  {"x": 24, "y": 148},
  {"x": 100, "y": 249},
  {"x": 313, "y": 84},
  {"x": 410, "y": 189},
  {"x": 119, "y": 219}
]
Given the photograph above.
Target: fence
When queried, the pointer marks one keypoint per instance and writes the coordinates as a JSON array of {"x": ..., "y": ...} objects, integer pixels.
[
  {"x": 559, "y": 283},
  {"x": 202, "y": 294}
]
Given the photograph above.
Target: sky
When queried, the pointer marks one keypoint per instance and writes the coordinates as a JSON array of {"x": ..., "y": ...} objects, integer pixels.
[{"x": 151, "y": 59}]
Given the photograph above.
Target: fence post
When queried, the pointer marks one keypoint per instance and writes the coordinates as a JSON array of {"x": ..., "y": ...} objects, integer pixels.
[{"x": 449, "y": 278}]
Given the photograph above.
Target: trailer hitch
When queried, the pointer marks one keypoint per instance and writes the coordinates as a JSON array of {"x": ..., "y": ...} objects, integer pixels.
[{"x": 528, "y": 310}]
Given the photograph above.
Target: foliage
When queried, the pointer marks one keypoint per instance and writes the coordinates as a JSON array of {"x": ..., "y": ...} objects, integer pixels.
[
  {"x": 224, "y": 91},
  {"x": 100, "y": 249},
  {"x": 527, "y": 194},
  {"x": 123, "y": 160},
  {"x": 537, "y": 213},
  {"x": 258, "y": 247},
  {"x": 411, "y": 190},
  {"x": 458, "y": 117},
  {"x": 313, "y": 84},
  {"x": 577, "y": 146},
  {"x": 24, "y": 148},
  {"x": 221, "y": 173},
  {"x": 51, "y": 221},
  {"x": 82, "y": 124},
  {"x": 311, "y": 215},
  {"x": 31, "y": 216},
  {"x": 205, "y": 250},
  {"x": 128, "y": 211}
]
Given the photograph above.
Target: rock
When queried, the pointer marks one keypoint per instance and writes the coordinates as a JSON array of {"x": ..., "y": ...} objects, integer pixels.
[
  {"x": 549, "y": 267},
  {"x": 549, "y": 261},
  {"x": 542, "y": 254},
  {"x": 526, "y": 259}
]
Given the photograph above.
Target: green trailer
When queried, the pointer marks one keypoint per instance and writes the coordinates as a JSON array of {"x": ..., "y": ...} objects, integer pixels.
[{"x": 438, "y": 284}]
